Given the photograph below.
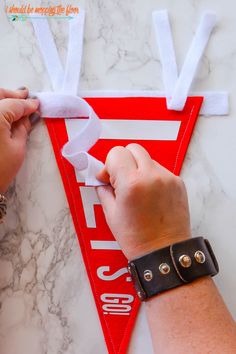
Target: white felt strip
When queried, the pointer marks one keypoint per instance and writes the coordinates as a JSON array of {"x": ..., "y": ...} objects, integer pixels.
[
  {"x": 130, "y": 129},
  {"x": 49, "y": 52},
  {"x": 191, "y": 63},
  {"x": 166, "y": 49},
  {"x": 74, "y": 54},
  {"x": 89, "y": 199},
  {"x": 105, "y": 245},
  {"x": 215, "y": 103}
]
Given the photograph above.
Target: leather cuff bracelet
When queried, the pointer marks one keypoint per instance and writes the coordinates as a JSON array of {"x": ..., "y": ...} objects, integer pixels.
[
  {"x": 3, "y": 207},
  {"x": 172, "y": 266}
]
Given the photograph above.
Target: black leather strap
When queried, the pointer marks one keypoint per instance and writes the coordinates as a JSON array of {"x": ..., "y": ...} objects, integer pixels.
[{"x": 172, "y": 266}]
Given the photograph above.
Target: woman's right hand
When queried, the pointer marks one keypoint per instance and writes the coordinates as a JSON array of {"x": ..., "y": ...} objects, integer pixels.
[{"x": 146, "y": 206}]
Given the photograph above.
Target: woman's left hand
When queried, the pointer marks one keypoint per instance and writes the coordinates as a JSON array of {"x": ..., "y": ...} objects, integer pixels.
[{"x": 15, "y": 124}]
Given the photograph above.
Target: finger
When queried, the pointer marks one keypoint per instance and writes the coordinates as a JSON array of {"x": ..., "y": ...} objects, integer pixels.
[
  {"x": 106, "y": 196},
  {"x": 141, "y": 155},
  {"x": 21, "y": 93},
  {"x": 119, "y": 163},
  {"x": 20, "y": 130},
  {"x": 12, "y": 110},
  {"x": 103, "y": 176}
]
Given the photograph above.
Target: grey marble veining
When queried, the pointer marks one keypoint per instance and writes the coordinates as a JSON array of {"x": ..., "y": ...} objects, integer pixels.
[{"x": 45, "y": 298}]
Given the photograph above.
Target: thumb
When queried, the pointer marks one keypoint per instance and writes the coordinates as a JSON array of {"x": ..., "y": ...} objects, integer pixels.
[
  {"x": 107, "y": 198},
  {"x": 13, "y": 110}
]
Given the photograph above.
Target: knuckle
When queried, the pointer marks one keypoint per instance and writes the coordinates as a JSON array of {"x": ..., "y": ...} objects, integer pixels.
[
  {"x": 154, "y": 177},
  {"x": 175, "y": 183},
  {"x": 113, "y": 181},
  {"x": 113, "y": 153},
  {"x": 2, "y": 93},
  {"x": 161, "y": 180},
  {"x": 135, "y": 185},
  {"x": 158, "y": 182},
  {"x": 179, "y": 182},
  {"x": 116, "y": 149},
  {"x": 132, "y": 145},
  {"x": 10, "y": 107},
  {"x": 8, "y": 115}
]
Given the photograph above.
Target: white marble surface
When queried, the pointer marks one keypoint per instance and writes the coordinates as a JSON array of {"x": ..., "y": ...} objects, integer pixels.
[{"x": 45, "y": 297}]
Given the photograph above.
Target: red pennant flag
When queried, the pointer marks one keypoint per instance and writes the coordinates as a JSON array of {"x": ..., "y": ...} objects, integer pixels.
[{"x": 166, "y": 135}]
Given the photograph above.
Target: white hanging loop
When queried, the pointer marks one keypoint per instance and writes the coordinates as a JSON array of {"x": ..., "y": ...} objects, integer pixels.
[
  {"x": 49, "y": 52},
  {"x": 178, "y": 89},
  {"x": 167, "y": 53},
  {"x": 192, "y": 60},
  {"x": 74, "y": 54}
]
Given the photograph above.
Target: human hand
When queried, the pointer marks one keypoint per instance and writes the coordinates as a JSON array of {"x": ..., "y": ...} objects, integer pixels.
[
  {"x": 146, "y": 206},
  {"x": 15, "y": 125}
]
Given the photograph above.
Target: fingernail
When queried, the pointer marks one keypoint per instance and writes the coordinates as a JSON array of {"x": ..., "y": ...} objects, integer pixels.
[
  {"x": 33, "y": 97},
  {"x": 34, "y": 118},
  {"x": 22, "y": 88}
]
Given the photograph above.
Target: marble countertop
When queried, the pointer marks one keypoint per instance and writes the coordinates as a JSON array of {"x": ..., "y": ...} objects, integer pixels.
[{"x": 45, "y": 295}]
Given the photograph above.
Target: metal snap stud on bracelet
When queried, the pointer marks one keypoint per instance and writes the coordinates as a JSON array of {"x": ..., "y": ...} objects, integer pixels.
[
  {"x": 200, "y": 257},
  {"x": 164, "y": 268},
  {"x": 185, "y": 261},
  {"x": 147, "y": 274}
]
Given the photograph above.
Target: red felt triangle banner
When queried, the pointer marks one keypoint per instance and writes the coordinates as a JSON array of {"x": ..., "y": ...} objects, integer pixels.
[{"x": 114, "y": 294}]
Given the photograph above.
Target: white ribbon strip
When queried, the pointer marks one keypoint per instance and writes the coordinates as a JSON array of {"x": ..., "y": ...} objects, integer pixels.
[
  {"x": 49, "y": 52},
  {"x": 214, "y": 103},
  {"x": 167, "y": 53},
  {"x": 177, "y": 92},
  {"x": 74, "y": 54},
  {"x": 192, "y": 61}
]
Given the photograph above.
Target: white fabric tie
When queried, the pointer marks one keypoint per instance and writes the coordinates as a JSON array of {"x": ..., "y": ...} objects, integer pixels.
[
  {"x": 177, "y": 88},
  {"x": 59, "y": 105},
  {"x": 49, "y": 52},
  {"x": 74, "y": 54}
]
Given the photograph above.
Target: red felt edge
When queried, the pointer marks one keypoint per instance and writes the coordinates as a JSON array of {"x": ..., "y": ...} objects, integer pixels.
[
  {"x": 186, "y": 140},
  {"x": 62, "y": 166}
]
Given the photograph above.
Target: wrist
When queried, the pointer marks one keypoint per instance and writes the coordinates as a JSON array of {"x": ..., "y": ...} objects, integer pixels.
[{"x": 157, "y": 243}]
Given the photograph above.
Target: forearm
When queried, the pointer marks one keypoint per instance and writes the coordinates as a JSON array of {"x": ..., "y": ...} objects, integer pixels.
[{"x": 191, "y": 319}]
